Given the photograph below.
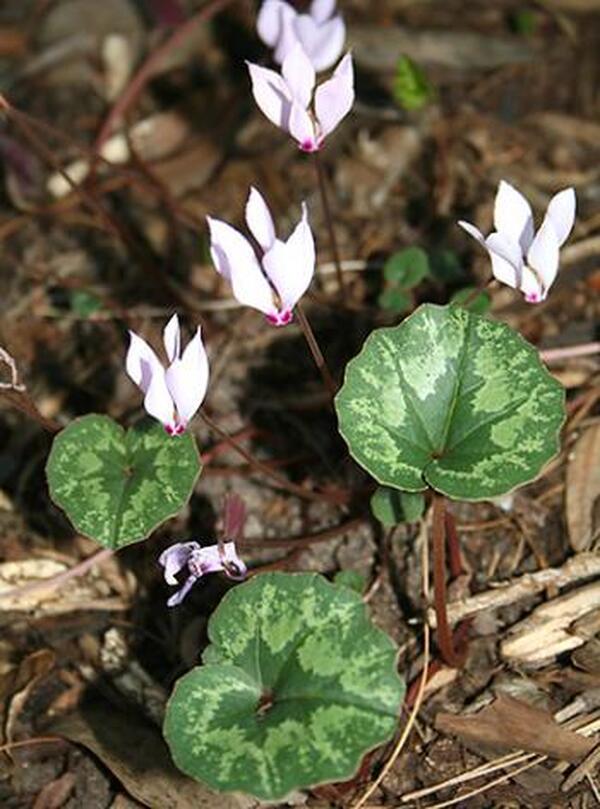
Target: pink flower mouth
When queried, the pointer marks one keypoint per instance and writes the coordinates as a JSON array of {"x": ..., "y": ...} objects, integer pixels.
[
  {"x": 174, "y": 429},
  {"x": 280, "y": 318}
]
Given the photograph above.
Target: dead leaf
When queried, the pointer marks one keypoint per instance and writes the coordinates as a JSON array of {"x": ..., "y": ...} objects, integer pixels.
[
  {"x": 583, "y": 488},
  {"x": 511, "y": 724},
  {"x": 31, "y": 671},
  {"x": 56, "y": 793},
  {"x": 135, "y": 753}
]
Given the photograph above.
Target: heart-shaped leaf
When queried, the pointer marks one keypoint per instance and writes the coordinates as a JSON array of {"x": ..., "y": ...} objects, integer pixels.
[
  {"x": 116, "y": 486},
  {"x": 450, "y": 399},
  {"x": 297, "y": 686}
]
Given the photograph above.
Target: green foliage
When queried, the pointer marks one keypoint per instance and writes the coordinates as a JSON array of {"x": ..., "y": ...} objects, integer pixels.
[
  {"x": 297, "y": 686},
  {"x": 393, "y": 506},
  {"x": 412, "y": 89},
  {"x": 352, "y": 579},
  {"x": 523, "y": 21},
  {"x": 479, "y": 303},
  {"x": 403, "y": 271},
  {"x": 116, "y": 486},
  {"x": 83, "y": 303},
  {"x": 446, "y": 266},
  {"x": 452, "y": 400}
]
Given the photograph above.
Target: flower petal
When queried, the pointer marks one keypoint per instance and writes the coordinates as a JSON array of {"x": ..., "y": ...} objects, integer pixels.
[
  {"x": 561, "y": 212},
  {"x": 302, "y": 129},
  {"x": 543, "y": 254},
  {"x": 531, "y": 287},
  {"x": 172, "y": 338},
  {"x": 259, "y": 219},
  {"x": 334, "y": 98},
  {"x": 513, "y": 216},
  {"x": 322, "y": 42},
  {"x": 234, "y": 517},
  {"x": 268, "y": 21},
  {"x": 158, "y": 402},
  {"x": 322, "y": 10},
  {"x": 271, "y": 94},
  {"x": 235, "y": 260},
  {"x": 299, "y": 75},
  {"x": 472, "y": 231},
  {"x": 141, "y": 363},
  {"x": 187, "y": 379},
  {"x": 288, "y": 38},
  {"x": 175, "y": 558},
  {"x": 233, "y": 566},
  {"x": 291, "y": 265},
  {"x": 178, "y": 597},
  {"x": 507, "y": 261}
]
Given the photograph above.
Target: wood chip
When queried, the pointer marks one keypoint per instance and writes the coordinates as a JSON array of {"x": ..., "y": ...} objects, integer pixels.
[{"x": 583, "y": 489}]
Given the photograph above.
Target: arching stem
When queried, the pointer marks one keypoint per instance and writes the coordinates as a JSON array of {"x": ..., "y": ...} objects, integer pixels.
[
  {"x": 444, "y": 638},
  {"x": 315, "y": 350}
]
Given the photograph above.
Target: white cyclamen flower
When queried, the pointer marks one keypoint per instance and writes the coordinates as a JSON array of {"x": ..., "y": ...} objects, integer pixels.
[
  {"x": 171, "y": 395},
  {"x": 321, "y": 31},
  {"x": 522, "y": 258},
  {"x": 274, "y": 280},
  {"x": 287, "y": 99}
]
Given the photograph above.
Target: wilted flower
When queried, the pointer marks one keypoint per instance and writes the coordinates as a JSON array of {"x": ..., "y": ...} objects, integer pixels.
[
  {"x": 521, "y": 258},
  {"x": 287, "y": 98},
  {"x": 174, "y": 394},
  {"x": 321, "y": 31},
  {"x": 274, "y": 282},
  {"x": 198, "y": 562}
]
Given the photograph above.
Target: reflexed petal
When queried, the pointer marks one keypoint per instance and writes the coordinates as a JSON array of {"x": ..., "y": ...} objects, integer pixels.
[
  {"x": 234, "y": 258},
  {"x": 507, "y": 261},
  {"x": 472, "y": 231},
  {"x": 291, "y": 265},
  {"x": 259, "y": 219},
  {"x": 543, "y": 253},
  {"x": 187, "y": 379},
  {"x": 302, "y": 129},
  {"x": 530, "y": 287},
  {"x": 287, "y": 37},
  {"x": 561, "y": 212},
  {"x": 233, "y": 565},
  {"x": 172, "y": 338},
  {"x": 158, "y": 402},
  {"x": 178, "y": 597},
  {"x": 175, "y": 558},
  {"x": 141, "y": 362},
  {"x": 322, "y": 10},
  {"x": 210, "y": 559},
  {"x": 234, "y": 517},
  {"x": 268, "y": 22},
  {"x": 299, "y": 75},
  {"x": 513, "y": 216},
  {"x": 334, "y": 98},
  {"x": 323, "y": 43},
  {"x": 271, "y": 94}
]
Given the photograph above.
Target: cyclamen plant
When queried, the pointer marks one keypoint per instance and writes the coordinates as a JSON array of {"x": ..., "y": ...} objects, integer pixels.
[{"x": 296, "y": 679}]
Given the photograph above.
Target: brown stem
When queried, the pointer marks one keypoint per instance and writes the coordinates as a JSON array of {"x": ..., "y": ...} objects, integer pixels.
[
  {"x": 329, "y": 223},
  {"x": 315, "y": 350},
  {"x": 22, "y": 401},
  {"x": 444, "y": 636},
  {"x": 280, "y": 482}
]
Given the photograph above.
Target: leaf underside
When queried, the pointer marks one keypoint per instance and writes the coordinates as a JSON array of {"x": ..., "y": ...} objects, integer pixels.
[
  {"x": 452, "y": 400},
  {"x": 297, "y": 686},
  {"x": 116, "y": 486}
]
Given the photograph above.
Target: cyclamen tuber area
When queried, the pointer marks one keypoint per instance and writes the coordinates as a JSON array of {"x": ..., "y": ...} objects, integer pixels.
[{"x": 299, "y": 404}]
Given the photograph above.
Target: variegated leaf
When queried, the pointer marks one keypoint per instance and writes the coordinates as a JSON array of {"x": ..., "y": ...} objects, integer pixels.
[{"x": 452, "y": 400}]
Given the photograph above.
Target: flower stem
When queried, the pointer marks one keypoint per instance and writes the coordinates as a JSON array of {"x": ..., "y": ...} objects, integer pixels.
[
  {"x": 316, "y": 352},
  {"x": 444, "y": 638},
  {"x": 329, "y": 223}
]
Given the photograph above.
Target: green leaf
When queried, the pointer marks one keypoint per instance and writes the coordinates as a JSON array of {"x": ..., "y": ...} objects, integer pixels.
[
  {"x": 446, "y": 266},
  {"x": 412, "y": 89},
  {"x": 297, "y": 686},
  {"x": 352, "y": 579},
  {"x": 395, "y": 300},
  {"x": 452, "y": 400},
  {"x": 115, "y": 486},
  {"x": 84, "y": 303},
  {"x": 407, "y": 268},
  {"x": 479, "y": 303},
  {"x": 393, "y": 506}
]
